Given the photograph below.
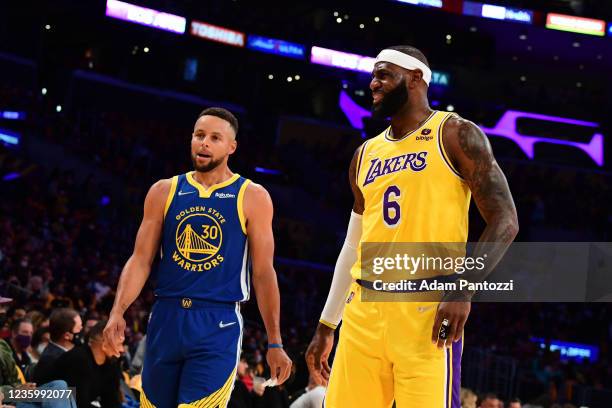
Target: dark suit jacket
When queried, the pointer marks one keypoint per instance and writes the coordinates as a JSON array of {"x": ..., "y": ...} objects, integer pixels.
[
  {"x": 92, "y": 381},
  {"x": 43, "y": 372}
]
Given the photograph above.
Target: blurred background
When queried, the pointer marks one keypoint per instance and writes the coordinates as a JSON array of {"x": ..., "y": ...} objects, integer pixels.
[{"x": 98, "y": 100}]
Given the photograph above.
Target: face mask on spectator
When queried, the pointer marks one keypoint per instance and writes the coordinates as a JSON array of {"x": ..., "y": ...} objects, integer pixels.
[
  {"x": 77, "y": 339},
  {"x": 23, "y": 341},
  {"x": 41, "y": 347}
]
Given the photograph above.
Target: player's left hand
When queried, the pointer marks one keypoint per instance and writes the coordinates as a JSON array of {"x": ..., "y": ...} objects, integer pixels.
[
  {"x": 280, "y": 365},
  {"x": 454, "y": 315}
]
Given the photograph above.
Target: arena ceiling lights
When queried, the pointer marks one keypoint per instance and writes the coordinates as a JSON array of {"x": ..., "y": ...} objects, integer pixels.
[{"x": 145, "y": 16}]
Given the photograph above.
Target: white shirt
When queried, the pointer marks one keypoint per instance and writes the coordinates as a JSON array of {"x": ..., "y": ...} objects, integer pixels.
[{"x": 311, "y": 399}]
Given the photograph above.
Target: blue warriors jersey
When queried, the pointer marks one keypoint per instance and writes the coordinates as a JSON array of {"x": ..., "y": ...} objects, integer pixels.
[{"x": 204, "y": 245}]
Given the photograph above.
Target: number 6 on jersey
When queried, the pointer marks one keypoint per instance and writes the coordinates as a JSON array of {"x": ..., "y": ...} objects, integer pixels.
[{"x": 391, "y": 208}]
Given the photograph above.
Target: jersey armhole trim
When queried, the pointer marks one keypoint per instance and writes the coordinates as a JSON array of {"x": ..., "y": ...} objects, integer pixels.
[
  {"x": 170, "y": 197},
  {"x": 442, "y": 151},
  {"x": 240, "y": 200},
  {"x": 359, "y": 161}
]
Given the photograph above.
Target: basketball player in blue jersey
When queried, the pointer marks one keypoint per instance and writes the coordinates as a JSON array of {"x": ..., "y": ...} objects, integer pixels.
[{"x": 212, "y": 226}]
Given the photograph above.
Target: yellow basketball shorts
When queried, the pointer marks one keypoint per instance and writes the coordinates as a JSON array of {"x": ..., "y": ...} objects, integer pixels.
[{"x": 385, "y": 354}]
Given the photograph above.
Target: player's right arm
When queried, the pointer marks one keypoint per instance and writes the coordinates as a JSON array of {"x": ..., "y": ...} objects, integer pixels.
[
  {"x": 138, "y": 267},
  {"x": 323, "y": 340}
]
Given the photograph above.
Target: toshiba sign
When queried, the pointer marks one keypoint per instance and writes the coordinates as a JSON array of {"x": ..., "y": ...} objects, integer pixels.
[{"x": 216, "y": 33}]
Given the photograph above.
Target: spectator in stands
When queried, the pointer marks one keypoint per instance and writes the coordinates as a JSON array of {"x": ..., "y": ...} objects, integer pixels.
[
  {"x": 89, "y": 323},
  {"x": 241, "y": 395},
  {"x": 21, "y": 338},
  {"x": 10, "y": 378},
  {"x": 313, "y": 397},
  {"x": 138, "y": 358},
  {"x": 19, "y": 314},
  {"x": 515, "y": 403},
  {"x": 40, "y": 340},
  {"x": 93, "y": 371},
  {"x": 468, "y": 398},
  {"x": 489, "y": 401},
  {"x": 65, "y": 326},
  {"x": 4, "y": 302}
]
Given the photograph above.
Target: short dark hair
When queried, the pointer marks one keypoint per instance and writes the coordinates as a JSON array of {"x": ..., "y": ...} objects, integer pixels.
[
  {"x": 221, "y": 113},
  {"x": 412, "y": 51},
  {"x": 96, "y": 331},
  {"x": 485, "y": 397},
  {"x": 514, "y": 400},
  {"x": 60, "y": 322},
  {"x": 17, "y": 323},
  {"x": 38, "y": 336}
]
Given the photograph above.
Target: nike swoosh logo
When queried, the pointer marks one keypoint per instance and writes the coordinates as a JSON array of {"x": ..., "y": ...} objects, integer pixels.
[
  {"x": 182, "y": 193},
  {"x": 224, "y": 325},
  {"x": 422, "y": 309}
]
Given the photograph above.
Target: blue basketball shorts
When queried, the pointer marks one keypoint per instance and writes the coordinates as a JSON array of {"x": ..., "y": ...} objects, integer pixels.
[{"x": 192, "y": 351}]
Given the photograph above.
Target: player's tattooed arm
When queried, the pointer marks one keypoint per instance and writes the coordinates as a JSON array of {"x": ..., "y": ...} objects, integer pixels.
[
  {"x": 359, "y": 204},
  {"x": 487, "y": 183},
  {"x": 471, "y": 154}
]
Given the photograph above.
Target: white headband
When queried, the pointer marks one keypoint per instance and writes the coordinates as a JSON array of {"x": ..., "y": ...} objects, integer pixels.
[{"x": 405, "y": 61}]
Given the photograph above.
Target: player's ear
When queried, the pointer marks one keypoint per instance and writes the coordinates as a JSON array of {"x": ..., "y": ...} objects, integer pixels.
[
  {"x": 233, "y": 146},
  {"x": 415, "y": 78}
]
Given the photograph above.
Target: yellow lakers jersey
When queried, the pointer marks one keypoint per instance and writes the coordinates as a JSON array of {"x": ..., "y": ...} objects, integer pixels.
[{"x": 411, "y": 190}]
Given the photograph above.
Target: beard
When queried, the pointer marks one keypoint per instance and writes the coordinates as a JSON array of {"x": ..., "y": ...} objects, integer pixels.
[
  {"x": 212, "y": 164},
  {"x": 392, "y": 102}
]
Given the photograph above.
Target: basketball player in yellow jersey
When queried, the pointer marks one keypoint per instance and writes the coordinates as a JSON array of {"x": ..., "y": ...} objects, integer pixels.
[{"x": 411, "y": 183}]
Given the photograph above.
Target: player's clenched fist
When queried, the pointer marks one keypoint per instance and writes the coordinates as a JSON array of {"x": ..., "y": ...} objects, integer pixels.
[
  {"x": 318, "y": 352},
  {"x": 449, "y": 323}
]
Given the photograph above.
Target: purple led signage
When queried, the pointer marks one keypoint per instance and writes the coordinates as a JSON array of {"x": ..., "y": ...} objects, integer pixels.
[
  {"x": 354, "y": 113},
  {"x": 333, "y": 58},
  {"x": 145, "y": 16},
  {"x": 506, "y": 127}
]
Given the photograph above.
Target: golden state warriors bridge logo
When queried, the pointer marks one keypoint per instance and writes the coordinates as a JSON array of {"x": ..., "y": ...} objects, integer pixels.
[{"x": 199, "y": 237}]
